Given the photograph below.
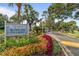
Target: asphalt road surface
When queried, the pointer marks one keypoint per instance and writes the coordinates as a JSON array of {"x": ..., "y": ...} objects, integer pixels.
[{"x": 73, "y": 50}]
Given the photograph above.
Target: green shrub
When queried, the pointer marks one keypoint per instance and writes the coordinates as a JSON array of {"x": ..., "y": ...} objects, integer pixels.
[
  {"x": 28, "y": 50},
  {"x": 2, "y": 47},
  {"x": 10, "y": 42},
  {"x": 33, "y": 39},
  {"x": 1, "y": 39},
  {"x": 22, "y": 42},
  {"x": 56, "y": 48}
]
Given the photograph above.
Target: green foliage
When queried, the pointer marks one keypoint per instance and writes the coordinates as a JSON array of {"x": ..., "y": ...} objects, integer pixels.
[
  {"x": 30, "y": 15},
  {"x": 1, "y": 39},
  {"x": 28, "y": 50},
  {"x": 56, "y": 48},
  {"x": 76, "y": 32},
  {"x": 37, "y": 30},
  {"x": 14, "y": 18},
  {"x": 2, "y": 47},
  {"x": 1, "y": 31},
  {"x": 66, "y": 26},
  {"x": 33, "y": 39},
  {"x": 2, "y": 19},
  {"x": 1, "y": 24},
  {"x": 11, "y": 42},
  {"x": 60, "y": 12},
  {"x": 73, "y": 34}
]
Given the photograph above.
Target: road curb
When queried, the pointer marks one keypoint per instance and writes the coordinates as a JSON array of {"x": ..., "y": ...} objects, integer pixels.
[{"x": 66, "y": 51}]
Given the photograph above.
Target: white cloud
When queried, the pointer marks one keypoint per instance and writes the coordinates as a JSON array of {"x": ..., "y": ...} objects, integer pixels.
[{"x": 6, "y": 11}]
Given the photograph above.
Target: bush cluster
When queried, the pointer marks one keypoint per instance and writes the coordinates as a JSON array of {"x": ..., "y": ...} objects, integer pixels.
[
  {"x": 11, "y": 42},
  {"x": 39, "y": 48}
]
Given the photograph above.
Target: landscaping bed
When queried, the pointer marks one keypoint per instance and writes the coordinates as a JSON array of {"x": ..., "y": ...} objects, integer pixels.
[{"x": 42, "y": 45}]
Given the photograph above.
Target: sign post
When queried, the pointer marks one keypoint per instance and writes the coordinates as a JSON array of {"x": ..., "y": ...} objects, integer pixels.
[{"x": 5, "y": 34}]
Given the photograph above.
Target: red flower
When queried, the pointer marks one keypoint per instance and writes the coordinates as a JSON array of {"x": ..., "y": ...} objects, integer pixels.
[{"x": 49, "y": 44}]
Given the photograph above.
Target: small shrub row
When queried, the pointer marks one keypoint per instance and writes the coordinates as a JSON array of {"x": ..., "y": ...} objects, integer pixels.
[{"x": 11, "y": 42}]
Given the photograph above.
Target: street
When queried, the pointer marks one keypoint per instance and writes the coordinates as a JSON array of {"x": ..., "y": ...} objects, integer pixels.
[{"x": 64, "y": 38}]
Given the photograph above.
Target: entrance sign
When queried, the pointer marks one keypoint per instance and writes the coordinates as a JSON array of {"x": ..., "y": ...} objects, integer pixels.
[{"x": 16, "y": 29}]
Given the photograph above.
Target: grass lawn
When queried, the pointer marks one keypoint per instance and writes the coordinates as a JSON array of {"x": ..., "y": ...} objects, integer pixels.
[{"x": 75, "y": 34}]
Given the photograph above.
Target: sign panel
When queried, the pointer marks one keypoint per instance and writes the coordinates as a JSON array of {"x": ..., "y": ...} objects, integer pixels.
[{"x": 16, "y": 29}]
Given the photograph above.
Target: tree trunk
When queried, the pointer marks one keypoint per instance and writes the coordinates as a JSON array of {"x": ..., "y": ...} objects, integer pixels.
[
  {"x": 19, "y": 9},
  {"x": 29, "y": 26},
  {"x": 18, "y": 14}
]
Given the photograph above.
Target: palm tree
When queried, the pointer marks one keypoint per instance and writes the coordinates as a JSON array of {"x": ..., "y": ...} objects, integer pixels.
[
  {"x": 34, "y": 16},
  {"x": 30, "y": 15},
  {"x": 45, "y": 14},
  {"x": 19, "y": 8},
  {"x": 14, "y": 18}
]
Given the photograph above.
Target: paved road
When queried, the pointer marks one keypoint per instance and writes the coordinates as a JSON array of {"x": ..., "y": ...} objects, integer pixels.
[
  {"x": 74, "y": 51},
  {"x": 65, "y": 38}
]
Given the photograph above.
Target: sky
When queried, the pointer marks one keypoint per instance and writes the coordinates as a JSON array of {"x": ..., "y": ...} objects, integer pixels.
[{"x": 39, "y": 7}]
